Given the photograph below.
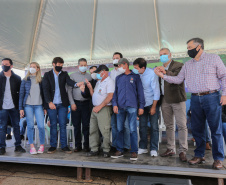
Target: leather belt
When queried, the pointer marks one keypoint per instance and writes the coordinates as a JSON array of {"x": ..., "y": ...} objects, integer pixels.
[{"x": 204, "y": 93}]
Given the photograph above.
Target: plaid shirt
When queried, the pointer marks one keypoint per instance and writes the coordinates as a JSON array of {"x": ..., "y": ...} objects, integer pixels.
[{"x": 207, "y": 74}]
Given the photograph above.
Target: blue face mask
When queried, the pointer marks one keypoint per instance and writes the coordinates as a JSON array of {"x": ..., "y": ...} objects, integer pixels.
[
  {"x": 98, "y": 76},
  {"x": 82, "y": 69},
  {"x": 135, "y": 71},
  {"x": 164, "y": 58}
]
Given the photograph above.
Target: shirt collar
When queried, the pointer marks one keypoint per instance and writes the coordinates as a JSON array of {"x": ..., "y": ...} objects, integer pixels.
[
  {"x": 55, "y": 73},
  {"x": 167, "y": 67}
]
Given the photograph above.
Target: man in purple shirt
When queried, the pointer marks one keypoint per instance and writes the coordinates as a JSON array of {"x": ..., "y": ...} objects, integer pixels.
[{"x": 204, "y": 75}]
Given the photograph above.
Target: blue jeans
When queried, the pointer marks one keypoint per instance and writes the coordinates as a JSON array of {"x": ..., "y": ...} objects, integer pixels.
[
  {"x": 114, "y": 131},
  {"x": 224, "y": 131},
  {"x": 207, "y": 132},
  {"x": 15, "y": 119},
  {"x": 143, "y": 128},
  {"x": 23, "y": 125},
  {"x": 202, "y": 108},
  {"x": 30, "y": 112},
  {"x": 132, "y": 118},
  {"x": 61, "y": 113}
]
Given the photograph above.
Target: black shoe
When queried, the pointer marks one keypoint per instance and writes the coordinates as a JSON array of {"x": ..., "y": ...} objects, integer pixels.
[
  {"x": 113, "y": 149},
  {"x": 19, "y": 149},
  {"x": 8, "y": 137},
  {"x": 86, "y": 150},
  {"x": 91, "y": 153},
  {"x": 21, "y": 137},
  {"x": 51, "y": 150},
  {"x": 106, "y": 154},
  {"x": 2, "y": 151},
  {"x": 66, "y": 150},
  {"x": 78, "y": 149}
]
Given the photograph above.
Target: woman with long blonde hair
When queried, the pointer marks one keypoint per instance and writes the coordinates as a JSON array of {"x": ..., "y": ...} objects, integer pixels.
[{"x": 31, "y": 103}]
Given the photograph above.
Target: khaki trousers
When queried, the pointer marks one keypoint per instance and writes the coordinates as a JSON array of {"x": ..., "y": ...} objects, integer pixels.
[
  {"x": 179, "y": 111},
  {"x": 100, "y": 121}
]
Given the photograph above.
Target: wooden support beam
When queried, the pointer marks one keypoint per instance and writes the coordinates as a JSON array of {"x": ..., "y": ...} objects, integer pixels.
[
  {"x": 79, "y": 174},
  {"x": 220, "y": 181}
]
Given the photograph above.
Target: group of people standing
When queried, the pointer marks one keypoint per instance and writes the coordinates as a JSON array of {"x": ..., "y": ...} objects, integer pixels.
[{"x": 103, "y": 103}]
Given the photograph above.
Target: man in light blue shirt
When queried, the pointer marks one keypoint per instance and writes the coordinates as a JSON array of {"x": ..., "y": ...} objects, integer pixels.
[
  {"x": 57, "y": 97},
  {"x": 151, "y": 110}
]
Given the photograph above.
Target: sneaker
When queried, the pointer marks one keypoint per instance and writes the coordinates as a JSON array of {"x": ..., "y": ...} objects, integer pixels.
[
  {"x": 117, "y": 155},
  {"x": 133, "y": 156},
  {"x": 2, "y": 151},
  {"x": 153, "y": 153},
  {"x": 8, "y": 137},
  {"x": 66, "y": 150},
  {"x": 51, "y": 150},
  {"x": 41, "y": 149},
  {"x": 33, "y": 151},
  {"x": 19, "y": 149},
  {"x": 142, "y": 151}
]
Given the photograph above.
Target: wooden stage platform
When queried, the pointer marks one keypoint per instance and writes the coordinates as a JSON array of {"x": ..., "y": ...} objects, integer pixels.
[{"x": 145, "y": 163}]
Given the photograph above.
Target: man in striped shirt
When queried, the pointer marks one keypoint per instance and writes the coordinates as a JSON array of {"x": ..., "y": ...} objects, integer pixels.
[{"x": 204, "y": 75}]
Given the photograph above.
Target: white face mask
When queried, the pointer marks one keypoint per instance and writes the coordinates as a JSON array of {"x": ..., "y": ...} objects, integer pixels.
[
  {"x": 83, "y": 69},
  {"x": 94, "y": 76},
  {"x": 121, "y": 70},
  {"x": 115, "y": 61},
  {"x": 32, "y": 70}
]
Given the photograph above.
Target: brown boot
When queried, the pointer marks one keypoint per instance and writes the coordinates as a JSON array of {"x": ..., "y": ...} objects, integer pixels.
[
  {"x": 197, "y": 160},
  {"x": 167, "y": 153},
  {"x": 183, "y": 157},
  {"x": 217, "y": 164},
  {"x": 208, "y": 146}
]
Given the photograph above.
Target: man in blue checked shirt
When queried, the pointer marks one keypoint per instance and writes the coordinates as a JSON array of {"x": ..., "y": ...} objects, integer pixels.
[
  {"x": 127, "y": 98},
  {"x": 150, "y": 83}
]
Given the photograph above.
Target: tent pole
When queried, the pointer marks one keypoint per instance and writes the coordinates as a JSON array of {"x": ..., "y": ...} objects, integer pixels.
[
  {"x": 157, "y": 24},
  {"x": 93, "y": 28},
  {"x": 36, "y": 30}
]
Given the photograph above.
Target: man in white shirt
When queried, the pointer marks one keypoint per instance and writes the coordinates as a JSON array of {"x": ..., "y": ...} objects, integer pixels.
[{"x": 102, "y": 110}]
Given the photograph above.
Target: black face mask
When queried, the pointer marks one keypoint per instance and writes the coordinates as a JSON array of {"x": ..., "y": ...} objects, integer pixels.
[
  {"x": 5, "y": 68},
  {"x": 116, "y": 65},
  {"x": 58, "y": 68},
  {"x": 193, "y": 52}
]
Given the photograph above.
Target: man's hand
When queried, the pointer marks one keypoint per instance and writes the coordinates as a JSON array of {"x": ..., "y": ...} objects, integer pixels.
[
  {"x": 161, "y": 69},
  {"x": 45, "y": 112},
  {"x": 140, "y": 112},
  {"x": 73, "y": 107},
  {"x": 153, "y": 110},
  {"x": 115, "y": 109},
  {"x": 79, "y": 84},
  {"x": 223, "y": 100},
  {"x": 97, "y": 109},
  {"x": 89, "y": 84},
  {"x": 21, "y": 113},
  {"x": 158, "y": 72},
  {"x": 82, "y": 88},
  {"x": 52, "y": 106}
]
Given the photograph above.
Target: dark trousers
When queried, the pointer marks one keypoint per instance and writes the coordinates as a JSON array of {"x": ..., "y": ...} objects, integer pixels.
[
  {"x": 15, "y": 119},
  {"x": 78, "y": 117},
  {"x": 202, "y": 108}
]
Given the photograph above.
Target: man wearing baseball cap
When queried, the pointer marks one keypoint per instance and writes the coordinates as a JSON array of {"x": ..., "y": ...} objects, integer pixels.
[
  {"x": 102, "y": 110},
  {"x": 128, "y": 99}
]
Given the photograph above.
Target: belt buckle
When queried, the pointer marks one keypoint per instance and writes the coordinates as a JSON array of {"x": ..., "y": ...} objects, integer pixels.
[{"x": 199, "y": 94}]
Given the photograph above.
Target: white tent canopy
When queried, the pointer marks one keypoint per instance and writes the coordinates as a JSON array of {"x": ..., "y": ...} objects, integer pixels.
[{"x": 39, "y": 30}]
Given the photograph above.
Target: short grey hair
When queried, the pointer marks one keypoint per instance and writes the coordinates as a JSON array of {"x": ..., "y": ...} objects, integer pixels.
[
  {"x": 164, "y": 49},
  {"x": 82, "y": 60},
  {"x": 197, "y": 41}
]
